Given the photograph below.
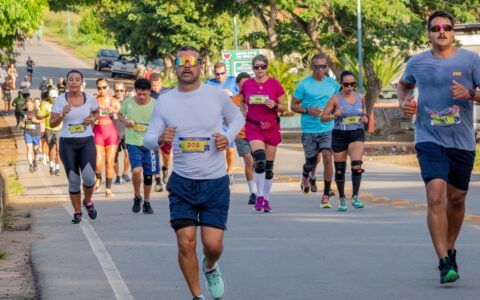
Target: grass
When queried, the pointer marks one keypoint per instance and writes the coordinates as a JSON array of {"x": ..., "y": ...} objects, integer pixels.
[
  {"x": 14, "y": 186},
  {"x": 3, "y": 254},
  {"x": 8, "y": 219}
]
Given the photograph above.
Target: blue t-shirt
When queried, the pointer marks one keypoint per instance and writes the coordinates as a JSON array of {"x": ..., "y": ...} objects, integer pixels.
[
  {"x": 313, "y": 93},
  {"x": 440, "y": 119},
  {"x": 229, "y": 84}
]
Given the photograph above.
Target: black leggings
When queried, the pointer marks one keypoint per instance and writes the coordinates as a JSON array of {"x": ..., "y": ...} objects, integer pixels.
[{"x": 79, "y": 158}]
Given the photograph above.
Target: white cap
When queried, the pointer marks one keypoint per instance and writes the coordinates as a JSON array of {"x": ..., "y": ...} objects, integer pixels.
[
  {"x": 44, "y": 78},
  {"x": 53, "y": 94}
]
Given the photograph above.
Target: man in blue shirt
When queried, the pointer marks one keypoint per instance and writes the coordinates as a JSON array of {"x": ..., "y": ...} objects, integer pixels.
[
  {"x": 229, "y": 85},
  {"x": 310, "y": 97},
  {"x": 447, "y": 78}
]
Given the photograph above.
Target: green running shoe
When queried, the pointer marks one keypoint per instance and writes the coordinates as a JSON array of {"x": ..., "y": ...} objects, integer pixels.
[
  {"x": 342, "y": 206},
  {"x": 447, "y": 271},
  {"x": 357, "y": 203},
  {"x": 215, "y": 283}
]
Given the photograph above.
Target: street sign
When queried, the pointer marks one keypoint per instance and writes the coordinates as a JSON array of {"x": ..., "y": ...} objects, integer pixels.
[{"x": 239, "y": 61}]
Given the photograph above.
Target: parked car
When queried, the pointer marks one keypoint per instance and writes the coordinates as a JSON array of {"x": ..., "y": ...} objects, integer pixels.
[
  {"x": 156, "y": 65},
  {"x": 127, "y": 65},
  {"x": 105, "y": 58}
]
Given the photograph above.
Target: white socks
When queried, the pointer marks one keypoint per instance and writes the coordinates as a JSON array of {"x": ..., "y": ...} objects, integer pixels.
[
  {"x": 260, "y": 182},
  {"x": 267, "y": 188},
  {"x": 251, "y": 186}
]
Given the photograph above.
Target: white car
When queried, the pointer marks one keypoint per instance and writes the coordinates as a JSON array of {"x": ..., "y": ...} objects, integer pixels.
[{"x": 127, "y": 65}]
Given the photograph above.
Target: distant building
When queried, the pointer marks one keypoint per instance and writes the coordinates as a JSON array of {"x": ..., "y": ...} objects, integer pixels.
[{"x": 468, "y": 35}]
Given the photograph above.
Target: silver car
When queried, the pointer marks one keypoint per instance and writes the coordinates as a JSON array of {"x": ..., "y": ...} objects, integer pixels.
[{"x": 127, "y": 65}]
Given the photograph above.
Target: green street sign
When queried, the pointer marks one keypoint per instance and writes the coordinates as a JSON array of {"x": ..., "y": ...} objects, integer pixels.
[{"x": 239, "y": 61}]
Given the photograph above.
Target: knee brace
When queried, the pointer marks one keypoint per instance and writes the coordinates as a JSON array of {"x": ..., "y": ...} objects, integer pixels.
[
  {"x": 340, "y": 168},
  {"x": 260, "y": 161},
  {"x": 269, "y": 170},
  {"x": 147, "y": 179},
  {"x": 357, "y": 170},
  {"x": 310, "y": 164}
]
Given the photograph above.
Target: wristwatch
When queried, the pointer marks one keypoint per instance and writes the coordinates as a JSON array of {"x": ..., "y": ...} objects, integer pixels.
[{"x": 473, "y": 93}]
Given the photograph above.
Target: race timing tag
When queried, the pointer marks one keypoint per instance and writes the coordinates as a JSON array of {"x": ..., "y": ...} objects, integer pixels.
[
  {"x": 76, "y": 128},
  {"x": 194, "y": 144},
  {"x": 258, "y": 99},
  {"x": 103, "y": 113}
]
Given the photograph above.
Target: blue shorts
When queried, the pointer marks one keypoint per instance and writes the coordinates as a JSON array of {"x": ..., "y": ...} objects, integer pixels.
[
  {"x": 32, "y": 139},
  {"x": 450, "y": 164},
  {"x": 144, "y": 158},
  {"x": 198, "y": 202}
]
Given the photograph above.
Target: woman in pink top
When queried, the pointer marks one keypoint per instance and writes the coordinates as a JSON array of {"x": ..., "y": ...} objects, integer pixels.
[{"x": 262, "y": 100}]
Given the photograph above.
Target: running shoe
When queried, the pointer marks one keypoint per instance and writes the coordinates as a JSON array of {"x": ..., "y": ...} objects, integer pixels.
[
  {"x": 230, "y": 178},
  {"x": 118, "y": 180},
  {"x": 137, "y": 203},
  {"x": 97, "y": 187},
  {"x": 342, "y": 206},
  {"x": 357, "y": 203},
  {"x": 326, "y": 202},
  {"x": 258, "y": 204},
  {"x": 35, "y": 166},
  {"x": 77, "y": 218},
  {"x": 452, "y": 254},
  {"x": 305, "y": 185},
  {"x": 252, "y": 198},
  {"x": 266, "y": 206},
  {"x": 57, "y": 172},
  {"x": 126, "y": 178},
  {"x": 313, "y": 184},
  {"x": 31, "y": 169},
  {"x": 108, "y": 193},
  {"x": 215, "y": 283},
  {"x": 147, "y": 208},
  {"x": 447, "y": 271},
  {"x": 164, "y": 175},
  {"x": 52, "y": 171},
  {"x": 198, "y": 298},
  {"x": 158, "y": 188},
  {"x": 92, "y": 212}
]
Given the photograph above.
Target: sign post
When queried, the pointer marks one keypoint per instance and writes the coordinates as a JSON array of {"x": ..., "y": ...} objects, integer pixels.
[{"x": 239, "y": 61}]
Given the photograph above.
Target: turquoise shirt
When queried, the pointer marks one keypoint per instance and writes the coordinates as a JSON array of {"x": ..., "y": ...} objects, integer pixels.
[{"x": 314, "y": 93}]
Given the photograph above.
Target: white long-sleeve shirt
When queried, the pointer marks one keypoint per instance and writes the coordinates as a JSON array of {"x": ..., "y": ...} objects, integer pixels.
[{"x": 197, "y": 115}]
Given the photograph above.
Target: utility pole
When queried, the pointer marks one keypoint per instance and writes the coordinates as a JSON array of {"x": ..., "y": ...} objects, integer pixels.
[{"x": 359, "y": 39}]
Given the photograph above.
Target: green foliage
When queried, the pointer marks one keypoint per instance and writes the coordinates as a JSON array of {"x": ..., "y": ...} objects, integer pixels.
[
  {"x": 14, "y": 186},
  {"x": 90, "y": 24},
  {"x": 3, "y": 254},
  {"x": 286, "y": 73}
]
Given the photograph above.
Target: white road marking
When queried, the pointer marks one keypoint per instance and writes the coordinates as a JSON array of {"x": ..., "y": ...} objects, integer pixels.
[{"x": 475, "y": 226}]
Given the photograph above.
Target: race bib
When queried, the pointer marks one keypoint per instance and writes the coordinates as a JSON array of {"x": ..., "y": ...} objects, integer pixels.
[
  {"x": 351, "y": 120},
  {"x": 103, "y": 113},
  {"x": 76, "y": 128},
  {"x": 446, "y": 120},
  {"x": 30, "y": 126},
  {"x": 140, "y": 127},
  {"x": 258, "y": 99},
  {"x": 194, "y": 144}
]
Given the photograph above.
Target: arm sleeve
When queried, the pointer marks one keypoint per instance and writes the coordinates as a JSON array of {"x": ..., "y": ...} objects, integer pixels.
[
  {"x": 232, "y": 113},
  {"x": 299, "y": 91},
  {"x": 408, "y": 76},
  {"x": 476, "y": 70},
  {"x": 155, "y": 128}
]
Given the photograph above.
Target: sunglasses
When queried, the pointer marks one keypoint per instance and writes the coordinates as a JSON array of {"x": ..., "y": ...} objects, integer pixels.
[
  {"x": 260, "y": 67},
  {"x": 220, "y": 73},
  {"x": 349, "y": 84},
  {"x": 104, "y": 87},
  {"x": 183, "y": 60},
  {"x": 437, "y": 28},
  {"x": 318, "y": 67}
]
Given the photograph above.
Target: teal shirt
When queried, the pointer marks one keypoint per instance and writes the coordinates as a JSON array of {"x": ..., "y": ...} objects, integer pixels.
[{"x": 314, "y": 93}]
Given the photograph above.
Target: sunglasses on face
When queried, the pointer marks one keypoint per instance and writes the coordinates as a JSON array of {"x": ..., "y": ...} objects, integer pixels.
[
  {"x": 260, "y": 67},
  {"x": 349, "y": 84},
  {"x": 103, "y": 87},
  {"x": 219, "y": 73},
  {"x": 437, "y": 28},
  {"x": 183, "y": 60},
  {"x": 318, "y": 67}
]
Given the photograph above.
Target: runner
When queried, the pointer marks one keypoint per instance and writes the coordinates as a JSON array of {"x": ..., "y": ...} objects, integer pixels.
[
  {"x": 61, "y": 85},
  {"x": 25, "y": 87},
  {"x": 106, "y": 136},
  {"x": 264, "y": 98},
  {"x": 43, "y": 87},
  {"x": 43, "y": 150},
  {"x": 348, "y": 110},
  {"x": 8, "y": 94},
  {"x": 447, "y": 78},
  {"x": 120, "y": 92},
  {"x": 242, "y": 145},
  {"x": 52, "y": 134},
  {"x": 39, "y": 35},
  {"x": 189, "y": 116},
  {"x": 19, "y": 104},
  {"x": 136, "y": 113},
  {"x": 30, "y": 64},
  {"x": 31, "y": 126},
  {"x": 310, "y": 97},
  {"x": 228, "y": 84},
  {"x": 78, "y": 111},
  {"x": 12, "y": 72}
]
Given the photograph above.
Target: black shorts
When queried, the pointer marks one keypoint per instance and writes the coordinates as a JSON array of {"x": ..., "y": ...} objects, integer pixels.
[
  {"x": 121, "y": 146},
  {"x": 342, "y": 138},
  {"x": 52, "y": 137},
  {"x": 450, "y": 164}
]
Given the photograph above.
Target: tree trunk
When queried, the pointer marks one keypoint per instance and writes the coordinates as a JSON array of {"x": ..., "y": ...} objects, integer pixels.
[
  {"x": 373, "y": 88},
  {"x": 272, "y": 22}
]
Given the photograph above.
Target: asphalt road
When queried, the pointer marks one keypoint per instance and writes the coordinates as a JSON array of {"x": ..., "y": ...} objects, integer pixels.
[{"x": 298, "y": 252}]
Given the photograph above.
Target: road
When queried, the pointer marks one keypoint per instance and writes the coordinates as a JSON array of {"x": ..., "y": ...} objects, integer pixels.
[{"x": 298, "y": 252}]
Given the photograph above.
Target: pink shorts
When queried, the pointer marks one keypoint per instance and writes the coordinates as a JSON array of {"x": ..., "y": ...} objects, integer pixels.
[
  {"x": 270, "y": 136},
  {"x": 105, "y": 135}
]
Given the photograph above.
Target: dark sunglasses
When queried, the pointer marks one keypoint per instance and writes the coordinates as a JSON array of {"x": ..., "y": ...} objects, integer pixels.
[
  {"x": 104, "y": 87},
  {"x": 318, "y": 67},
  {"x": 260, "y": 67},
  {"x": 349, "y": 84},
  {"x": 437, "y": 28},
  {"x": 219, "y": 73}
]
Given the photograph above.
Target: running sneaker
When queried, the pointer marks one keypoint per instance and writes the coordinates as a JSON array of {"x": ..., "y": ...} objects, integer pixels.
[
  {"x": 92, "y": 212},
  {"x": 77, "y": 218},
  {"x": 158, "y": 188},
  {"x": 326, "y": 202},
  {"x": 35, "y": 166},
  {"x": 97, "y": 187},
  {"x": 108, "y": 193},
  {"x": 137, "y": 203},
  {"x": 198, "y": 298},
  {"x": 313, "y": 184},
  {"x": 305, "y": 185},
  {"x": 118, "y": 180},
  {"x": 252, "y": 198},
  {"x": 258, "y": 204},
  {"x": 147, "y": 208},
  {"x": 266, "y": 206},
  {"x": 52, "y": 171},
  {"x": 31, "y": 169},
  {"x": 164, "y": 175},
  {"x": 230, "y": 178},
  {"x": 342, "y": 206},
  {"x": 57, "y": 172},
  {"x": 215, "y": 283},
  {"x": 357, "y": 203},
  {"x": 126, "y": 178},
  {"x": 447, "y": 271},
  {"x": 452, "y": 254}
]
